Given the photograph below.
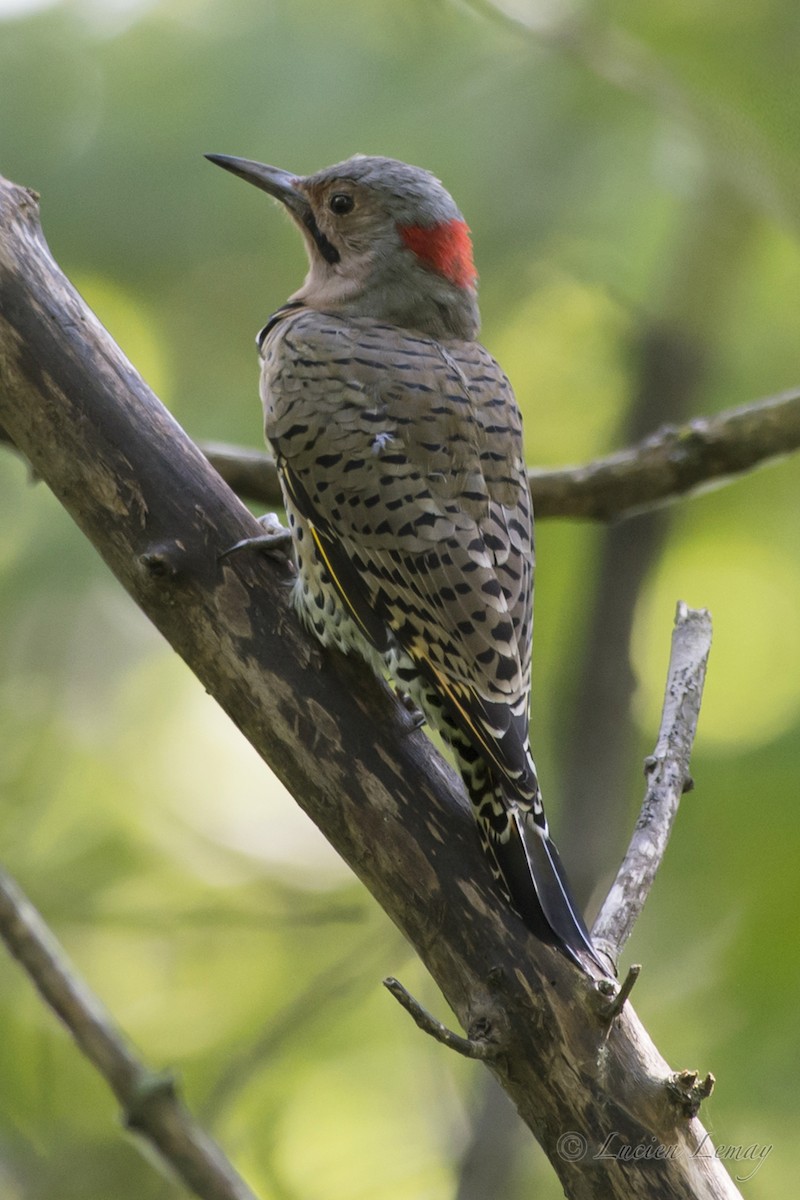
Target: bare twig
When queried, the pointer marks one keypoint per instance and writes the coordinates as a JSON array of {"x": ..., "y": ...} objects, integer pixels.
[
  {"x": 470, "y": 1047},
  {"x": 616, "y": 997},
  {"x": 149, "y": 1101},
  {"x": 667, "y": 772},
  {"x": 674, "y": 461}
]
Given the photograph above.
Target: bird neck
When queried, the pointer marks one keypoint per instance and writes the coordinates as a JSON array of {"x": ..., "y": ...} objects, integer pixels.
[{"x": 438, "y": 309}]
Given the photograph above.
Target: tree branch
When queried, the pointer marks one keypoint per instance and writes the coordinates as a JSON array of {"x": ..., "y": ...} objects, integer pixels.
[
  {"x": 675, "y": 461},
  {"x": 667, "y": 773},
  {"x": 470, "y": 1047},
  {"x": 149, "y": 1101},
  {"x": 335, "y": 735}
]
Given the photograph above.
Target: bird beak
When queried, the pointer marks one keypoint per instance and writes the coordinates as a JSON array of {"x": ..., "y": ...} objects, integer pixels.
[{"x": 280, "y": 184}]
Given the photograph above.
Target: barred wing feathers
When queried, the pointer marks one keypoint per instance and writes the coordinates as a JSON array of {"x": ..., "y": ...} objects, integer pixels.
[{"x": 404, "y": 456}]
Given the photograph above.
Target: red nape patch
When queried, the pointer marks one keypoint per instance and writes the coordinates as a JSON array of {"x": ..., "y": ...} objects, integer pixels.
[{"x": 446, "y": 248}]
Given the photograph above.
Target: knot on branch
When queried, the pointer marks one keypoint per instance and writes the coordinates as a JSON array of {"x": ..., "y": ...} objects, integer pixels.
[
  {"x": 163, "y": 560},
  {"x": 150, "y": 1089},
  {"x": 687, "y": 1091}
]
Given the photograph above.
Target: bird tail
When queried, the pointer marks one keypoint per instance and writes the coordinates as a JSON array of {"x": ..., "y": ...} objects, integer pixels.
[
  {"x": 523, "y": 857},
  {"x": 531, "y": 869}
]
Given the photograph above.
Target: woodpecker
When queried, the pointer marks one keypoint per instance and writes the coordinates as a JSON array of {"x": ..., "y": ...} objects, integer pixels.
[{"x": 398, "y": 443}]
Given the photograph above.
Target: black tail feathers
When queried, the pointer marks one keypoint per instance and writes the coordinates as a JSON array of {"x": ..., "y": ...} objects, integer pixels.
[{"x": 533, "y": 874}]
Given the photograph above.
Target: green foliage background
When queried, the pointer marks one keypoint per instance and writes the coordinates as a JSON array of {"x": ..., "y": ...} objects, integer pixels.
[{"x": 621, "y": 166}]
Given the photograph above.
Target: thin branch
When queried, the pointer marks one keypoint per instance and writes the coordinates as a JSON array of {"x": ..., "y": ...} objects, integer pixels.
[
  {"x": 667, "y": 772},
  {"x": 615, "y": 997},
  {"x": 674, "y": 461},
  {"x": 480, "y": 1048},
  {"x": 149, "y": 1101},
  {"x": 252, "y": 474}
]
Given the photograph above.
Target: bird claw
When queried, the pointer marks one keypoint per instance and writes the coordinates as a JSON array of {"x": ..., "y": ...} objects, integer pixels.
[
  {"x": 275, "y": 541},
  {"x": 417, "y": 716}
]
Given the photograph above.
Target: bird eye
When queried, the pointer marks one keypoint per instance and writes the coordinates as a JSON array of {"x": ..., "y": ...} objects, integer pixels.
[{"x": 341, "y": 202}]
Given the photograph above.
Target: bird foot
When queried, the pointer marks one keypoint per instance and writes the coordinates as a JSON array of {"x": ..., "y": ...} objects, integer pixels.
[
  {"x": 275, "y": 541},
  {"x": 417, "y": 716}
]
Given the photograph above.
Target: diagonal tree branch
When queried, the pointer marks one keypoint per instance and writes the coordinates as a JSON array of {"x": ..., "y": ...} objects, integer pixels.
[
  {"x": 667, "y": 772},
  {"x": 336, "y": 736},
  {"x": 149, "y": 1101}
]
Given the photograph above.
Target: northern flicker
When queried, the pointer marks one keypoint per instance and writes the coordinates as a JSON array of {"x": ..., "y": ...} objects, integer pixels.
[{"x": 398, "y": 443}]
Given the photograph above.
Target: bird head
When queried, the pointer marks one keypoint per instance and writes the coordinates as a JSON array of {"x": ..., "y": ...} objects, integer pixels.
[{"x": 384, "y": 239}]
